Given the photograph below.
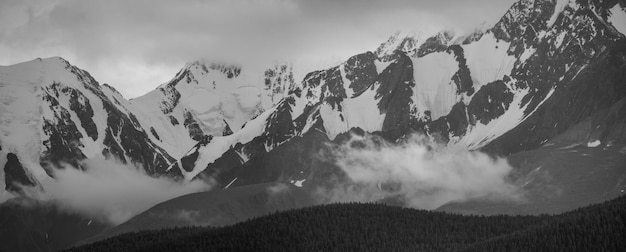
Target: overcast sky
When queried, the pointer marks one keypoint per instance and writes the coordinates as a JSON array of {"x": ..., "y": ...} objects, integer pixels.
[{"x": 137, "y": 45}]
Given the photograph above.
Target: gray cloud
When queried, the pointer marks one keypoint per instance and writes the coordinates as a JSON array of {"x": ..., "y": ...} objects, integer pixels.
[
  {"x": 135, "y": 45},
  {"x": 110, "y": 191},
  {"x": 418, "y": 174}
]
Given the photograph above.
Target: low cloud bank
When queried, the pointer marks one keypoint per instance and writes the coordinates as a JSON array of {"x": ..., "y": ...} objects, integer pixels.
[
  {"x": 111, "y": 191},
  {"x": 417, "y": 174}
]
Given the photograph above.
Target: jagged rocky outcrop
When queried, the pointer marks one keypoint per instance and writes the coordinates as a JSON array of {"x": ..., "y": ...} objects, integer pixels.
[
  {"x": 278, "y": 81},
  {"x": 361, "y": 71}
]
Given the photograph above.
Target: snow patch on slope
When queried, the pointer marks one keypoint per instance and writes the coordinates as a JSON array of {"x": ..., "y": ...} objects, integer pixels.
[
  {"x": 594, "y": 144},
  {"x": 488, "y": 60},
  {"x": 346, "y": 82},
  {"x": 558, "y": 8},
  {"x": 618, "y": 18},
  {"x": 333, "y": 121},
  {"x": 434, "y": 89},
  {"x": 363, "y": 112},
  {"x": 381, "y": 66}
]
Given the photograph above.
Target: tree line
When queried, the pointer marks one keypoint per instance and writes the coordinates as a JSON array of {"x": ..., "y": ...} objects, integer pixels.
[{"x": 378, "y": 227}]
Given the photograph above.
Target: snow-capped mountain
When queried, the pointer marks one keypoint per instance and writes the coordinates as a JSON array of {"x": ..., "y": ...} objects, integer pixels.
[
  {"x": 54, "y": 113},
  {"x": 545, "y": 86},
  {"x": 202, "y": 99},
  {"x": 545, "y": 66}
]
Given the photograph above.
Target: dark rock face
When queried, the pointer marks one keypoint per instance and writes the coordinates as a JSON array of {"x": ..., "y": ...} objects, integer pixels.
[
  {"x": 462, "y": 78},
  {"x": 15, "y": 176},
  {"x": 133, "y": 142},
  {"x": 224, "y": 169},
  {"x": 189, "y": 160},
  {"x": 598, "y": 85},
  {"x": 280, "y": 125},
  {"x": 231, "y": 71},
  {"x": 279, "y": 80},
  {"x": 361, "y": 71},
  {"x": 437, "y": 43},
  {"x": 154, "y": 133},
  {"x": 453, "y": 124},
  {"x": 490, "y": 102},
  {"x": 332, "y": 91},
  {"x": 394, "y": 92},
  {"x": 299, "y": 158},
  {"x": 522, "y": 23},
  {"x": 172, "y": 97},
  {"x": 310, "y": 157},
  {"x": 587, "y": 71},
  {"x": 81, "y": 106},
  {"x": 195, "y": 132},
  {"x": 64, "y": 138},
  {"x": 227, "y": 131},
  {"x": 173, "y": 120},
  {"x": 302, "y": 157}
]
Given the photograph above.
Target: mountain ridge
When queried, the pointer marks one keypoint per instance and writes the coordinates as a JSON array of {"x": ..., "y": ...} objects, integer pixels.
[{"x": 536, "y": 49}]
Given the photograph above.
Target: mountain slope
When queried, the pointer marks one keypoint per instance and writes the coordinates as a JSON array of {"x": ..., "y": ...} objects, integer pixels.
[
  {"x": 529, "y": 80},
  {"x": 215, "y": 208},
  {"x": 544, "y": 67},
  {"x": 366, "y": 227},
  {"x": 54, "y": 113}
]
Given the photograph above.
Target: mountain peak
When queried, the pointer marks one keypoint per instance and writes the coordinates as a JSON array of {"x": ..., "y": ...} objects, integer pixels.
[
  {"x": 45, "y": 71},
  {"x": 204, "y": 66},
  {"x": 405, "y": 41},
  {"x": 50, "y": 62}
]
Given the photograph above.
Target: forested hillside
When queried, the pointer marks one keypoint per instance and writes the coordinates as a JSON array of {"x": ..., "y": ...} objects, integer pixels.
[{"x": 377, "y": 227}]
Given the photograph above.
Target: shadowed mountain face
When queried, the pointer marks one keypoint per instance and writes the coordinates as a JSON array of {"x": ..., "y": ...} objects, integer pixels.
[
  {"x": 571, "y": 170},
  {"x": 15, "y": 176}
]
